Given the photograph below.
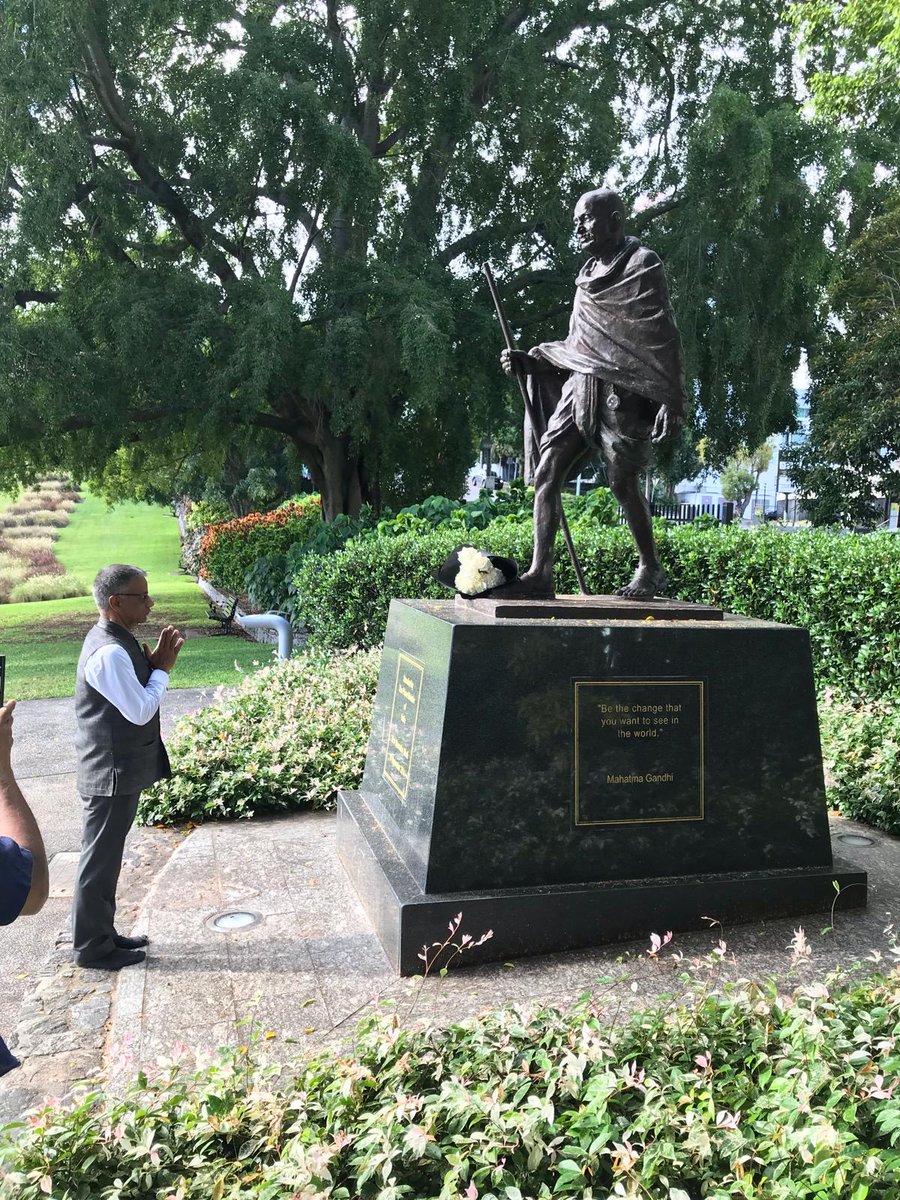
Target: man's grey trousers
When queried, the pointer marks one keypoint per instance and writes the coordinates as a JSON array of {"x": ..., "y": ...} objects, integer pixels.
[{"x": 107, "y": 820}]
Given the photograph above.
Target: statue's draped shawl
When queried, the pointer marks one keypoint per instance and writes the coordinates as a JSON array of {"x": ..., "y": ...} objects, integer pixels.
[{"x": 622, "y": 331}]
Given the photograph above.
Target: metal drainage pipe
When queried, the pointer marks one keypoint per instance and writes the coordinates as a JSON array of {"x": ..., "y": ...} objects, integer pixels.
[{"x": 271, "y": 621}]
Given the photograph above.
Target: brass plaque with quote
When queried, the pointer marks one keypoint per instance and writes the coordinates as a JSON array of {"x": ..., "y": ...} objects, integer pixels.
[
  {"x": 400, "y": 742},
  {"x": 639, "y": 752}
]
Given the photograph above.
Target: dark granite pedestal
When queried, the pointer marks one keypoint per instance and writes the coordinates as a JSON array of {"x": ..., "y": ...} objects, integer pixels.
[{"x": 567, "y": 782}]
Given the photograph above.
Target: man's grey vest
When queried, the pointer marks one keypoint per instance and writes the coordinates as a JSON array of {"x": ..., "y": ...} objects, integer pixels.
[{"x": 114, "y": 755}]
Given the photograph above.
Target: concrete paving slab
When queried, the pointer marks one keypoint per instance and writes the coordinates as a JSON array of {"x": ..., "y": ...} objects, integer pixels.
[
  {"x": 45, "y": 729},
  {"x": 63, "y": 868}
]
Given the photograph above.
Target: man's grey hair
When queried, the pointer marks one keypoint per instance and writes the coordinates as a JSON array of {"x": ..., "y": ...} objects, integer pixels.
[{"x": 114, "y": 579}]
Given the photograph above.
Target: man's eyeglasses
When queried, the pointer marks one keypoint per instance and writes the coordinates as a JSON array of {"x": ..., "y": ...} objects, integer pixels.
[{"x": 137, "y": 595}]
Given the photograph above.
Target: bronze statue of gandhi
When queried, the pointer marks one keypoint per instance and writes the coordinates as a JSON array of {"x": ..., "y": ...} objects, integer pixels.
[{"x": 614, "y": 385}]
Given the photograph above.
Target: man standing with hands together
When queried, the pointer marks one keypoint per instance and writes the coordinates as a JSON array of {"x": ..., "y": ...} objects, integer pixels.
[{"x": 118, "y": 688}]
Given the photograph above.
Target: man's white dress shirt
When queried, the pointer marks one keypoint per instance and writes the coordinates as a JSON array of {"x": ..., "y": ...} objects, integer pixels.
[{"x": 111, "y": 672}]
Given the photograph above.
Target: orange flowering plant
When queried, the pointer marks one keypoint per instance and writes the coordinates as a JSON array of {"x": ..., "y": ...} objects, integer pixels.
[{"x": 229, "y": 549}]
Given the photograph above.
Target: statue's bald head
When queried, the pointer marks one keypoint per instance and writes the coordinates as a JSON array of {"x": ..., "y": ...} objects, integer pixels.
[
  {"x": 605, "y": 200},
  {"x": 599, "y": 220}
]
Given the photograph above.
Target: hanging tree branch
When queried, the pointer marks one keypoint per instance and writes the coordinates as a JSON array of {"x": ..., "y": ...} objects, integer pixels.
[{"x": 100, "y": 73}]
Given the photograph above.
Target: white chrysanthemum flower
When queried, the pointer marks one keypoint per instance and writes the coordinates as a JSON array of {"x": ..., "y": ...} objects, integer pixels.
[{"x": 476, "y": 573}]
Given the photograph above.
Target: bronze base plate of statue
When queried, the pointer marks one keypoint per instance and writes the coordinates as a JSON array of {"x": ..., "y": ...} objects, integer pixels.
[
  {"x": 588, "y": 608},
  {"x": 568, "y": 780}
]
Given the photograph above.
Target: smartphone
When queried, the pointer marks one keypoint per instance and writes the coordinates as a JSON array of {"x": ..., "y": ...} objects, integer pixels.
[{"x": 2, "y": 677}]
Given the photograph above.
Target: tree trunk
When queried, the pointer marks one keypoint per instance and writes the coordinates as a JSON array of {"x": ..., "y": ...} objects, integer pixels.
[{"x": 336, "y": 473}]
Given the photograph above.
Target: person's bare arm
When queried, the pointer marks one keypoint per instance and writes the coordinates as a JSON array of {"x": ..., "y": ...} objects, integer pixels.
[{"x": 17, "y": 820}]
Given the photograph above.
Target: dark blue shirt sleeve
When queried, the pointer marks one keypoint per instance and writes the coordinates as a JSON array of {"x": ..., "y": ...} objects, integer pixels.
[
  {"x": 8, "y": 1061},
  {"x": 15, "y": 879}
]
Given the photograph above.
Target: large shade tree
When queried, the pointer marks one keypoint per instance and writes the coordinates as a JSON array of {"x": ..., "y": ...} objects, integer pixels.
[
  {"x": 219, "y": 214},
  {"x": 851, "y": 460}
]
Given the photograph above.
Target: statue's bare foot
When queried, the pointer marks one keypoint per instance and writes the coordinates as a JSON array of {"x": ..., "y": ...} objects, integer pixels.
[
  {"x": 647, "y": 583},
  {"x": 527, "y": 587}
]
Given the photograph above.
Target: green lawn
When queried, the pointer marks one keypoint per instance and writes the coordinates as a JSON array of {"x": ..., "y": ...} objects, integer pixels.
[{"x": 42, "y": 641}]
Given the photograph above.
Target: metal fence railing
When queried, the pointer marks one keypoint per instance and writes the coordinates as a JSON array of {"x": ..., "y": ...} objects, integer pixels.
[{"x": 683, "y": 514}]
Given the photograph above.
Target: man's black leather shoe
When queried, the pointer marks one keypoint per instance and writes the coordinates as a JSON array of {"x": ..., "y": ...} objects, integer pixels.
[
  {"x": 115, "y": 960},
  {"x": 131, "y": 943}
]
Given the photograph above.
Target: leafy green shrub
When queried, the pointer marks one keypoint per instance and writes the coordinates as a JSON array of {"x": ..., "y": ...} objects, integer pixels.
[
  {"x": 207, "y": 512},
  {"x": 271, "y": 583},
  {"x": 48, "y": 587},
  {"x": 198, "y": 515},
  {"x": 286, "y": 738},
  {"x": 861, "y": 751},
  {"x": 842, "y": 589},
  {"x": 749, "y": 1094},
  {"x": 436, "y": 511},
  {"x": 512, "y": 506},
  {"x": 268, "y": 582},
  {"x": 599, "y": 506},
  {"x": 344, "y": 598},
  {"x": 229, "y": 550}
]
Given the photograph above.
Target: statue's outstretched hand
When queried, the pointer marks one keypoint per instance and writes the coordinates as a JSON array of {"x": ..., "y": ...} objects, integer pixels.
[
  {"x": 517, "y": 360},
  {"x": 666, "y": 425}
]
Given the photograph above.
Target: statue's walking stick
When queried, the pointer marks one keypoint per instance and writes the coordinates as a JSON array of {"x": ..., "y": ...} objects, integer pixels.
[{"x": 536, "y": 424}]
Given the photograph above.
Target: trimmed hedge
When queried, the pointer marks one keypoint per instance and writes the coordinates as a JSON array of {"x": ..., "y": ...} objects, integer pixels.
[
  {"x": 343, "y": 598},
  {"x": 229, "y": 550},
  {"x": 843, "y": 589},
  {"x": 752, "y": 1094}
]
